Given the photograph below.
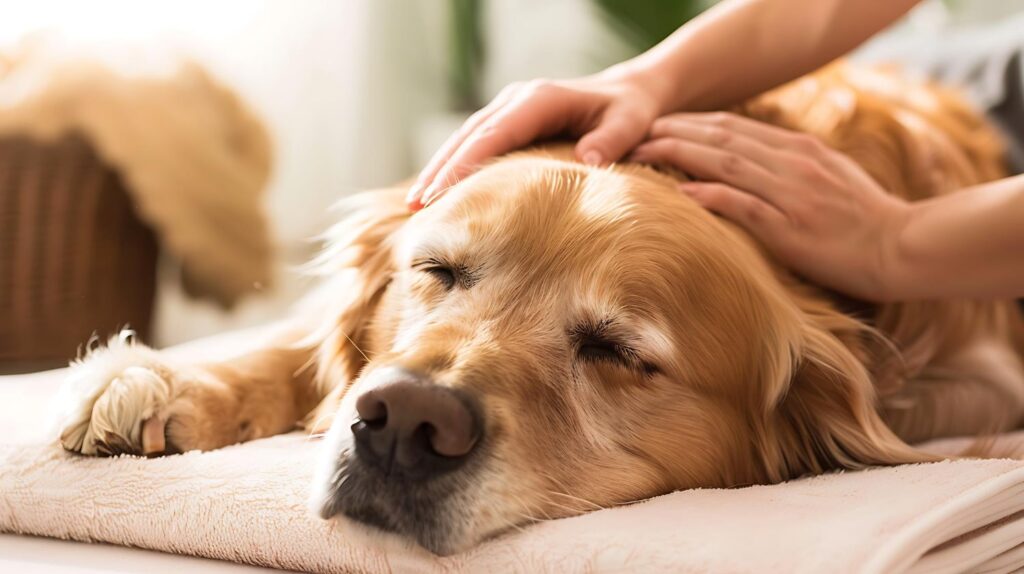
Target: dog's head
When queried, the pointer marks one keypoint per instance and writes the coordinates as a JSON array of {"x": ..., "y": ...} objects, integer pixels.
[{"x": 551, "y": 338}]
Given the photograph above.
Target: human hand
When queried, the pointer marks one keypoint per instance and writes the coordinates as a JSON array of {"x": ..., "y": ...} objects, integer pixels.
[
  {"x": 609, "y": 112},
  {"x": 814, "y": 208}
]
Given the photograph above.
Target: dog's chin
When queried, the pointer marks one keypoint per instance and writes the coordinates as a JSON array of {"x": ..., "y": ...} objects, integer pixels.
[
  {"x": 435, "y": 522},
  {"x": 435, "y": 513}
]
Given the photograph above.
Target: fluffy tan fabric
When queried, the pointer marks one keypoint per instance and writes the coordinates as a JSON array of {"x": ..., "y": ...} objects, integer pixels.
[
  {"x": 195, "y": 159},
  {"x": 248, "y": 504}
]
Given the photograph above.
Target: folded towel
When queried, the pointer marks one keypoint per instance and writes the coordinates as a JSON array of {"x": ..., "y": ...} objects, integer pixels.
[{"x": 247, "y": 504}]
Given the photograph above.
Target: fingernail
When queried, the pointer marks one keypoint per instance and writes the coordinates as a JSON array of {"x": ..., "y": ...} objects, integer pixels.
[
  {"x": 429, "y": 195},
  {"x": 592, "y": 157},
  {"x": 414, "y": 192}
]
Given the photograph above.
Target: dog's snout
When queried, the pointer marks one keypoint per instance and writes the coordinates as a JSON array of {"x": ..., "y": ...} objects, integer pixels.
[{"x": 421, "y": 428}]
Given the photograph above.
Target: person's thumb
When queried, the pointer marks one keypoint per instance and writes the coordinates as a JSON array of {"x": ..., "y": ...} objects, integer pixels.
[{"x": 618, "y": 132}]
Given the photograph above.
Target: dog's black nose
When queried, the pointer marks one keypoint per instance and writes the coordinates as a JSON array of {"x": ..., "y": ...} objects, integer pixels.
[{"x": 412, "y": 426}]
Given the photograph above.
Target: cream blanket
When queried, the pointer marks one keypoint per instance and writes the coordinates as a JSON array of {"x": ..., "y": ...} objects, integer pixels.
[{"x": 248, "y": 504}]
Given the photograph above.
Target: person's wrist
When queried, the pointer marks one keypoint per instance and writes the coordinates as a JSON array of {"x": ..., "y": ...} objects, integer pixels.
[
  {"x": 899, "y": 259},
  {"x": 646, "y": 78}
]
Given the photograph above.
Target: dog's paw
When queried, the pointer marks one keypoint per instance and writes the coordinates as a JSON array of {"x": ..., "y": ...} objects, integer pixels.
[{"x": 117, "y": 400}]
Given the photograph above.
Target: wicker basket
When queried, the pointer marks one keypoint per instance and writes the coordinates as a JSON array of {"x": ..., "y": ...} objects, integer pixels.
[{"x": 74, "y": 257}]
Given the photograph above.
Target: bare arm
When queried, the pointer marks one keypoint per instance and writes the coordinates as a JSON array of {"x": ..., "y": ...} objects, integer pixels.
[
  {"x": 735, "y": 50},
  {"x": 740, "y": 48},
  {"x": 967, "y": 244}
]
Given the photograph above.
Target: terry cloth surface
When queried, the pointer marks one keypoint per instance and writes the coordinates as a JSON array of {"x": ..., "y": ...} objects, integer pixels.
[
  {"x": 247, "y": 503},
  {"x": 194, "y": 158}
]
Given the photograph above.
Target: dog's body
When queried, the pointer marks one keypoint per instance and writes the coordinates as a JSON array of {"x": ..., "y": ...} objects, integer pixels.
[{"x": 551, "y": 338}]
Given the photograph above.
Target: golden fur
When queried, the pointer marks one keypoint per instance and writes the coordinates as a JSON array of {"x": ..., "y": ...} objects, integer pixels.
[{"x": 739, "y": 372}]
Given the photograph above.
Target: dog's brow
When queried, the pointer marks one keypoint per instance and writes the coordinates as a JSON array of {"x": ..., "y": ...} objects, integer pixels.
[
  {"x": 430, "y": 250},
  {"x": 639, "y": 333},
  {"x": 440, "y": 241},
  {"x": 654, "y": 338}
]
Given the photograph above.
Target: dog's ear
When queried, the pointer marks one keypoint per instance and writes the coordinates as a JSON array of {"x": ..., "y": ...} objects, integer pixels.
[
  {"x": 357, "y": 264},
  {"x": 819, "y": 410}
]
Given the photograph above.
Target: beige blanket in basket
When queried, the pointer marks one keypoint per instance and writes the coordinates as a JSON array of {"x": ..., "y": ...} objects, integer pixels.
[
  {"x": 194, "y": 158},
  {"x": 247, "y": 503}
]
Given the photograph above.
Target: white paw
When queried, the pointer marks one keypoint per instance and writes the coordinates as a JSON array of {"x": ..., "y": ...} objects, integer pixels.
[{"x": 116, "y": 400}]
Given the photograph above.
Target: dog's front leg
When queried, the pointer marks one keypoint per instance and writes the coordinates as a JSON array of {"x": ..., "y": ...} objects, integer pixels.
[{"x": 128, "y": 398}]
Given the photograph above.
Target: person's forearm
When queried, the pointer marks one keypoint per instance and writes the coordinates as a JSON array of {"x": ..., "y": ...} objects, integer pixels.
[
  {"x": 967, "y": 244},
  {"x": 741, "y": 48}
]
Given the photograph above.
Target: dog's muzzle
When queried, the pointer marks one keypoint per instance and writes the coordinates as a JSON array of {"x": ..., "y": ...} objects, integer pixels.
[{"x": 407, "y": 462}]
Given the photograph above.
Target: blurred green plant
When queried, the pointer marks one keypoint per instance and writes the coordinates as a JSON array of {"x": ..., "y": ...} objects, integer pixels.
[
  {"x": 642, "y": 23},
  {"x": 466, "y": 53}
]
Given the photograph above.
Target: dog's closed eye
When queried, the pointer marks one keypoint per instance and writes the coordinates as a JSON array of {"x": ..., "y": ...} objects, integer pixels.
[
  {"x": 594, "y": 345},
  {"x": 447, "y": 273},
  {"x": 444, "y": 275},
  {"x": 599, "y": 350}
]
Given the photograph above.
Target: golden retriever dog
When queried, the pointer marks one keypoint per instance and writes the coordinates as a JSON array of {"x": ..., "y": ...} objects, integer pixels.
[{"x": 551, "y": 338}]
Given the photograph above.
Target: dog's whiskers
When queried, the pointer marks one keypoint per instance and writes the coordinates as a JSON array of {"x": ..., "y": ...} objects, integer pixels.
[
  {"x": 354, "y": 345},
  {"x": 592, "y": 504},
  {"x": 316, "y": 424},
  {"x": 308, "y": 364},
  {"x": 555, "y": 482},
  {"x": 572, "y": 509},
  {"x": 527, "y": 516}
]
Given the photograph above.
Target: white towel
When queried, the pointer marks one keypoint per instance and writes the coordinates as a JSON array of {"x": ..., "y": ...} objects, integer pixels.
[{"x": 247, "y": 504}]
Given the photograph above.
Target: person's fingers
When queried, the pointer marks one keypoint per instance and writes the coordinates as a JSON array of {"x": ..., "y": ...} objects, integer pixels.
[
  {"x": 619, "y": 130},
  {"x": 533, "y": 114},
  {"x": 722, "y": 138},
  {"x": 845, "y": 167},
  {"x": 452, "y": 144},
  {"x": 709, "y": 163},
  {"x": 492, "y": 138},
  {"x": 415, "y": 197},
  {"x": 767, "y": 133},
  {"x": 749, "y": 211}
]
